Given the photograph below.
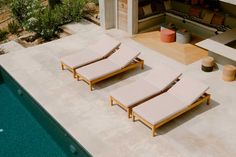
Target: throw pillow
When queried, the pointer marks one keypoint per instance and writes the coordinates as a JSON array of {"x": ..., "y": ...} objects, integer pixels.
[
  {"x": 147, "y": 10},
  {"x": 218, "y": 19},
  {"x": 195, "y": 12},
  {"x": 208, "y": 17},
  {"x": 167, "y": 5}
]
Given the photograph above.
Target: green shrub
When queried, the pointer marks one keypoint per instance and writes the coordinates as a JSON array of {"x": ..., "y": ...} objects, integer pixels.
[
  {"x": 94, "y": 1},
  {"x": 4, "y": 3},
  {"x": 22, "y": 10},
  {"x": 70, "y": 10},
  {"x": 45, "y": 24},
  {"x": 3, "y": 35},
  {"x": 13, "y": 27},
  {"x": 45, "y": 21},
  {"x": 53, "y": 3}
]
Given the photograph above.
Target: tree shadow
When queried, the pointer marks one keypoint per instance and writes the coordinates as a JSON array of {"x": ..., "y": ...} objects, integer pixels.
[{"x": 186, "y": 117}]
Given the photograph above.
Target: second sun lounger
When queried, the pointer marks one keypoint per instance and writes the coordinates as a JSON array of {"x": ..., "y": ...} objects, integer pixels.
[
  {"x": 125, "y": 58},
  {"x": 183, "y": 96},
  {"x": 100, "y": 50},
  {"x": 154, "y": 83}
]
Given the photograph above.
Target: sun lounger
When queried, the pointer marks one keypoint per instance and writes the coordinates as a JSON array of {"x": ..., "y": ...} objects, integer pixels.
[
  {"x": 100, "y": 50},
  {"x": 183, "y": 96},
  {"x": 141, "y": 90},
  {"x": 123, "y": 59}
]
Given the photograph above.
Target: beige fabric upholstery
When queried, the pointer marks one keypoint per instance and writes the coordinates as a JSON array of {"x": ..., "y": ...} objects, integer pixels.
[
  {"x": 135, "y": 92},
  {"x": 97, "y": 69},
  {"x": 124, "y": 55},
  {"x": 162, "y": 77},
  {"x": 188, "y": 90},
  {"x": 180, "y": 96},
  {"x": 115, "y": 62},
  {"x": 80, "y": 59},
  {"x": 103, "y": 48},
  {"x": 159, "y": 108},
  {"x": 156, "y": 81}
]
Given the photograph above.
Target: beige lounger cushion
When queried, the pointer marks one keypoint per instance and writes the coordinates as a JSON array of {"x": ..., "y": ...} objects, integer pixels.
[
  {"x": 179, "y": 97},
  {"x": 97, "y": 69},
  {"x": 103, "y": 48},
  {"x": 80, "y": 59},
  {"x": 156, "y": 81},
  {"x": 159, "y": 108},
  {"x": 135, "y": 92},
  {"x": 124, "y": 56},
  {"x": 162, "y": 77},
  {"x": 109, "y": 65},
  {"x": 188, "y": 90}
]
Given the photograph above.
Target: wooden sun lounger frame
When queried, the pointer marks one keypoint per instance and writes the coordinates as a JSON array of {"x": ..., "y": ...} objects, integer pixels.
[
  {"x": 129, "y": 109},
  {"x": 204, "y": 98},
  {"x": 135, "y": 63},
  {"x": 73, "y": 70}
]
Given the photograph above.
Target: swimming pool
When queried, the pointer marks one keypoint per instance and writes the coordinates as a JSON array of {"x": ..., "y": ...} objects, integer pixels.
[{"x": 27, "y": 130}]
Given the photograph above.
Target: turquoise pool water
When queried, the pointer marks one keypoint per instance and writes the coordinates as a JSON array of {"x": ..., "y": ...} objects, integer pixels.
[{"x": 26, "y": 130}]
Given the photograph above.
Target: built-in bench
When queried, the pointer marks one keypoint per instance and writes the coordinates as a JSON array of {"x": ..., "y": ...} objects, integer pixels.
[{"x": 204, "y": 23}]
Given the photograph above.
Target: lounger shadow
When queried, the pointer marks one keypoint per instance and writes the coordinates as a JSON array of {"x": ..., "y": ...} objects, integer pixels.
[
  {"x": 182, "y": 97},
  {"x": 102, "y": 49},
  {"x": 156, "y": 82},
  {"x": 124, "y": 59}
]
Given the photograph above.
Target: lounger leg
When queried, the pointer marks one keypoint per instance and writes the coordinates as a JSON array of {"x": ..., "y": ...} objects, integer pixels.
[
  {"x": 74, "y": 73},
  {"x": 133, "y": 117},
  {"x": 62, "y": 66},
  {"x": 142, "y": 65},
  {"x": 129, "y": 112},
  {"x": 111, "y": 101},
  {"x": 209, "y": 100},
  {"x": 77, "y": 76},
  {"x": 153, "y": 131},
  {"x": 90, "y": 86}
]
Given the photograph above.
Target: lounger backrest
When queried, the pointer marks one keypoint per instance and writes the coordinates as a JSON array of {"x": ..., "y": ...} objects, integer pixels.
[
  {"x": 105, "y": 46},
  {"x": 188, "y": 90},
  {"x": 162, "y": 77},
  {"x": 124, "y": 55}
]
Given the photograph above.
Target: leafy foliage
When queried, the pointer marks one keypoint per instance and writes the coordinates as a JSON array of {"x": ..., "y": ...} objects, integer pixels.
[
  {"x": 94, "y": 1},
  {"x": 22, "y": 10},
  {"x": 70, "y": 10},
  {"x": 45, "y": 24},
  {"x": 45, "y": 21},
  {"x": 13, "y": 27},
  {"x": 3, "y": 34},
  {"x": 53, "y": 3},
  {"x": 4, "y": 3}
]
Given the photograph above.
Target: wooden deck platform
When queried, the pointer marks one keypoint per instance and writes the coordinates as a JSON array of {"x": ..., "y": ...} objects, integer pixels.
[{"x": 183, "y": 53}]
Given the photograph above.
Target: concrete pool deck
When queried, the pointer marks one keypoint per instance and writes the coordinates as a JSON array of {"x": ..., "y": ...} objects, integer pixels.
[{"x": 105, "y": 131}]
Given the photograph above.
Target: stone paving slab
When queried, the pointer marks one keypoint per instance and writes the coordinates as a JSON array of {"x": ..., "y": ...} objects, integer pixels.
[
  {"x": 12, "y": 46},
  {"x": 105, "y": 131}
]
